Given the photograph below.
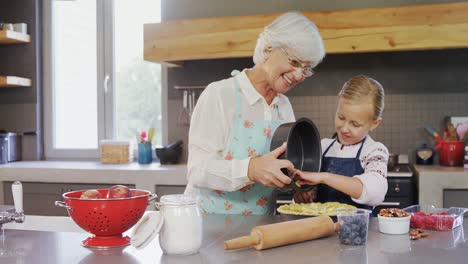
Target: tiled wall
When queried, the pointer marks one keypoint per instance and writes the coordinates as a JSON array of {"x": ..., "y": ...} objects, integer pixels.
[
  {"x": 402, "y": 128},
  {"x": 404, "y": 118},
  {"x": 421, "y": 87}
]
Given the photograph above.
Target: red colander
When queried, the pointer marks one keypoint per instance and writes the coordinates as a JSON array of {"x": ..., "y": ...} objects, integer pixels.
[{"x": 105, "y": 218}]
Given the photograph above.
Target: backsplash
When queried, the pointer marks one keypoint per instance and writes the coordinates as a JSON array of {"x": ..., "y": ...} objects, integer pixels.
[
  {"x": 405, "y": 115},
  {"x": 421, "y": 87},
  {"x": 402, "y": 128}
]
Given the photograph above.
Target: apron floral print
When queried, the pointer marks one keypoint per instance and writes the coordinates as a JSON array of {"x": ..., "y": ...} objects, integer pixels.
[{"x": 249, "y": 139}]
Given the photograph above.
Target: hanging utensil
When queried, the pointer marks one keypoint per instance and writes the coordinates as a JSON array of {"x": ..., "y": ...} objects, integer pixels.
[
  {"x": 190, "y": 103},
  {"x": 193, "y": 98},
  {"x": 184, "y": 114}
]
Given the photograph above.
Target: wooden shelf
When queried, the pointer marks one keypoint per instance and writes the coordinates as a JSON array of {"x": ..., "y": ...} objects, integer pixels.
[
  {"x": 13, "y": 37},
  {"x": 13, "y": 81},
  {"x": 420, "y": 27}
]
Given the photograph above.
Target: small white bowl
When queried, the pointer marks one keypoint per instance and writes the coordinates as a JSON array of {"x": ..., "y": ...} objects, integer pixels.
[{"x": 394, "y": 225}]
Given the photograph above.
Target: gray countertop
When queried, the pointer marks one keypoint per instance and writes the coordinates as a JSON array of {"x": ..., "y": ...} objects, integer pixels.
[{"x": 26, "y": 246}]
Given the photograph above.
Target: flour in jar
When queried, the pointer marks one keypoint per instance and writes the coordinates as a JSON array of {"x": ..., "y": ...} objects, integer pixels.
[{"x": 182, "y": 228}]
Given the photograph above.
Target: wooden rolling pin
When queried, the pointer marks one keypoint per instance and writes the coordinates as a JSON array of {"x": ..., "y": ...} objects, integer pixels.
[{"x": 285, "y": 233}]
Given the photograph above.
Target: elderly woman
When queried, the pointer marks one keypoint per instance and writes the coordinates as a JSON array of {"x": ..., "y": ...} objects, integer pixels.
[{"x": 229, "y": 164}]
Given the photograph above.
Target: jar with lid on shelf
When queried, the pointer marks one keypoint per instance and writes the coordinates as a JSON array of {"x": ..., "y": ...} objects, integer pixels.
[{"x": 425, "y": 155}]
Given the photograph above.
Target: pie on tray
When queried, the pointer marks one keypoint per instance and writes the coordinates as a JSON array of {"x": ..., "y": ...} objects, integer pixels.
[{"x": 328, "y": 208}]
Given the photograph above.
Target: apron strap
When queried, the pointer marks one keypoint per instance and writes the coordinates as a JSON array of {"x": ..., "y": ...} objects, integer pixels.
[
  {"x": 328, "y": 148},
  {"x": 359, "y": 152}
]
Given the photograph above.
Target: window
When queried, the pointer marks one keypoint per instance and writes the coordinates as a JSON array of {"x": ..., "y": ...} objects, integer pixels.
[{"x": 97, "y": 85}]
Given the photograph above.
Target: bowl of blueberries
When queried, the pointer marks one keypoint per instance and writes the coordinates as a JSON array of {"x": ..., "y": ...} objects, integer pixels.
[{"x": 354, "y": 225}]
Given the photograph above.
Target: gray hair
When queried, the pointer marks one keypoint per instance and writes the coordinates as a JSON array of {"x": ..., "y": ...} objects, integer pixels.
[{"x": 295, "y": 31}]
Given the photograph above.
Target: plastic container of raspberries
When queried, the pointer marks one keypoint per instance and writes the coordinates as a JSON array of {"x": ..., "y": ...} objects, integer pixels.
[{"x": 440, "y": 219}]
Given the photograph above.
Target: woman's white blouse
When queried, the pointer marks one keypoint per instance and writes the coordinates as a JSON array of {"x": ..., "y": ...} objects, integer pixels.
[
  {"x": 211, "y": 128},
  {"x": 374, "y": 158}
]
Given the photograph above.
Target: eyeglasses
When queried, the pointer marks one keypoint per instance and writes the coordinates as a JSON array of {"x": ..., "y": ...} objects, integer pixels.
[{"x": 306, "y": 70}]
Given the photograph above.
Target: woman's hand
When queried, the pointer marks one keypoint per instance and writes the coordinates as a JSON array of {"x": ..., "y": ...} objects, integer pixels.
[{"x": 266, "y": 169}]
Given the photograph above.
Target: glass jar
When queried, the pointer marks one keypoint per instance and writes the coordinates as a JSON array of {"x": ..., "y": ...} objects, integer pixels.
[
  {"x": 181, "y": 232},
  {"x": 354, "y": 225},
  {"x": 145, "y": 153}
]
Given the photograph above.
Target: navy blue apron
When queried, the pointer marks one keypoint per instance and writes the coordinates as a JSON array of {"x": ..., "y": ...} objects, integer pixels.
[{"x": 341, "y": 166}]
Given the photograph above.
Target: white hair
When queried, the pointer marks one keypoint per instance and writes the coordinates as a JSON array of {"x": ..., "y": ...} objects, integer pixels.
[{"x": 295, "y": 31}]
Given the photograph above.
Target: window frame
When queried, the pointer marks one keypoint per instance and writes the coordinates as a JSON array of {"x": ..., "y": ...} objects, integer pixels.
[{"x": 105, "y": 67}]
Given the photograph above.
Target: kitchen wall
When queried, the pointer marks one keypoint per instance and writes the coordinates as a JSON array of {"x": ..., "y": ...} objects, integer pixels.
[
  {"x": 20, "y": 107},
  {"x": 421, "y": 86}
]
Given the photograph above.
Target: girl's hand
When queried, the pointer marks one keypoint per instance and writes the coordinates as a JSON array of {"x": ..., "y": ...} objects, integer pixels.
[
  {"x": 309, "y": 178},
  {"x": 304, "y": 197}
]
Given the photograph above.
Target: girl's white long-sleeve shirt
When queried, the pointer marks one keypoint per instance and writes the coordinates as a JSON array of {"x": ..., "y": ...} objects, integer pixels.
[
  {"x": 374, "y": 158},
  {"x": 211, "y": 128}
]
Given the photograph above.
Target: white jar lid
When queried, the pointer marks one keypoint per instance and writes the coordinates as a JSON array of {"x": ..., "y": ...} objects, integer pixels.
[
  {"x": 178, "y": 199},
  {"x": 146, "y": 229}
]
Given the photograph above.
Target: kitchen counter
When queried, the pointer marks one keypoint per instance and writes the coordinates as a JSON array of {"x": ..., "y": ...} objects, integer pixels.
[
  {"x": 432, "y": 180},
  {"x": 143, "y": 176},
  {"x": 27, "y": 246}
]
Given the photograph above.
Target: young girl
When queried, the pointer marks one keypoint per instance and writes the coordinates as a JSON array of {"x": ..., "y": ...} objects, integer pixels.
[{"x": 354, "y": 166}]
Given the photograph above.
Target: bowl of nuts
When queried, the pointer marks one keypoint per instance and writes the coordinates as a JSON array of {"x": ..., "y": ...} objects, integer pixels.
[{"x": 394, "y": 221}]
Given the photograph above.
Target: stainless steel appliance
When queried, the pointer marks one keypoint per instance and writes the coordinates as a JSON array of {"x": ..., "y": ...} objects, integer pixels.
[
  {"x": 3, "y": 150},
  {"x": 13, "y": 146},
  {"x": 401, "y": 191}
]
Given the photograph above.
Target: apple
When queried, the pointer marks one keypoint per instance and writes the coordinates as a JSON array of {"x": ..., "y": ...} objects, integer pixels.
[
  {"x": 91, "y": 194},
  {"x": 118, "y": 191},
  {"x": 137, "y": 193}
]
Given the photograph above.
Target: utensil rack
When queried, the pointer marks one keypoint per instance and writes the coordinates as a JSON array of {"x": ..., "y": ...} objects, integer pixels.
[
  {"x": 181, "y": 87},
  {"x": 188, "y": 102}
]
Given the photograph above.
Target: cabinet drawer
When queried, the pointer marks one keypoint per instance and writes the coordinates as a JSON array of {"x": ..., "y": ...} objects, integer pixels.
[{"x": 400, "y": 187}]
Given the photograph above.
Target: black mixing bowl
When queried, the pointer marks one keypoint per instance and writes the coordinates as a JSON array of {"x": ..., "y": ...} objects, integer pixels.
[{"x": 303, "y": 149}]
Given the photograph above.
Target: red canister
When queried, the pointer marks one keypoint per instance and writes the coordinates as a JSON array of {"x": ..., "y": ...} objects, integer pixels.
[{"x": 451, "y": 153}]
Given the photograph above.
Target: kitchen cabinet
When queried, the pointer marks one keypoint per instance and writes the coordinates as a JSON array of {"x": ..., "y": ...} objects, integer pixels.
[
  {"x": 8, "y": 37},
  {"x": 455, "y": 198},
  {"x": 39, "y": 198},
  {"x": 419, "y": 27}
]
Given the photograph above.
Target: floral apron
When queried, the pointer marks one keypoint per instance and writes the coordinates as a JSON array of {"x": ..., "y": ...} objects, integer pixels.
[
  {"x": 341, "y": 166},
  {"x": 249, "y": 139}
]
